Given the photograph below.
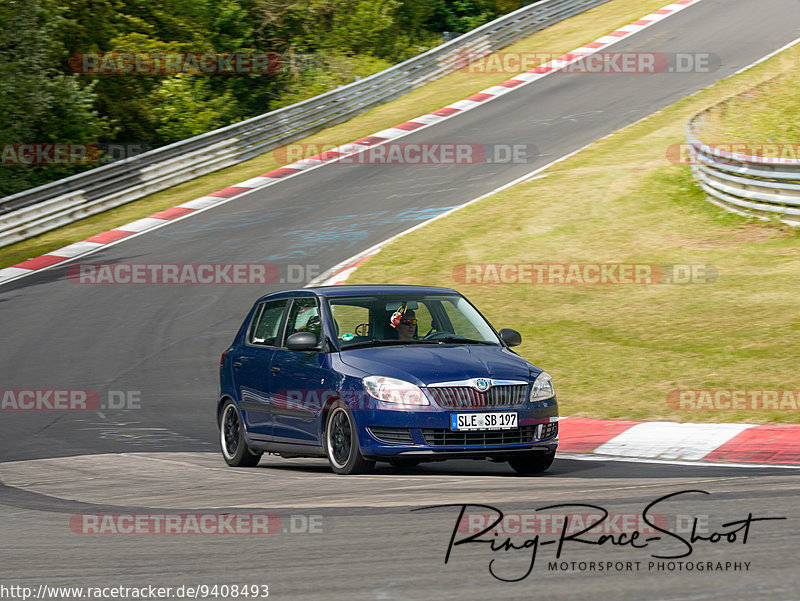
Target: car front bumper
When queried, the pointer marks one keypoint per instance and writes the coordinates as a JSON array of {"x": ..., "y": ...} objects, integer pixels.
[{"x": 426, "y": 434}]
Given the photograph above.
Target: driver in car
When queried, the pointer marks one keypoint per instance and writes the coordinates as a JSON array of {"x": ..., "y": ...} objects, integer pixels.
[
  {"x": 404, "y": 321},
  {"x": 407, "y": 326}
]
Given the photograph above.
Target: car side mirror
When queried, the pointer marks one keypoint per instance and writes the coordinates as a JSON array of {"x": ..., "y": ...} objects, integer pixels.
[
  {"x": 511, "y": 337},
  {"x": 302, "y": 341}
]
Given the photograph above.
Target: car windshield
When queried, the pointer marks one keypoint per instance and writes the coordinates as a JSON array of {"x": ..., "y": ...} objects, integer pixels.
[{"x": 378, "y": 320}]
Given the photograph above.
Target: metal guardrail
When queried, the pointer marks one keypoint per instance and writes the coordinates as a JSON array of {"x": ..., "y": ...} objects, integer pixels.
[
  {"x": 753, "y": 186},
  {"x": 58, "y": 203}
]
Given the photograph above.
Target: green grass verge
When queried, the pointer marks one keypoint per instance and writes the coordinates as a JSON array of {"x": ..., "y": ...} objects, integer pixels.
[
  {"x": 560, "y": 38},
  {"x": 617, "y": 351},
  {"x": 766, "y": 114}
]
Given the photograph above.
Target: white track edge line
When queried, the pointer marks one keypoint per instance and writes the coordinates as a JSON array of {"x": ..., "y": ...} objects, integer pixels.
[{"x": 698, "y": 463}]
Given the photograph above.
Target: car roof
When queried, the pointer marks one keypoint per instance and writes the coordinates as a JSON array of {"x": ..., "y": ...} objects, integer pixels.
[{"x": 366, "y": 289}]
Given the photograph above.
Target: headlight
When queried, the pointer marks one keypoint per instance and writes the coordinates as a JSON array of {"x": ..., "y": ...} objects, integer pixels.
[
  {"x": 542, "y": 387},
  {"x": 390, "y": 390}
]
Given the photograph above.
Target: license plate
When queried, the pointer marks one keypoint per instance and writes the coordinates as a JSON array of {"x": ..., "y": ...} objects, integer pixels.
[{"x": 496, "y": 420}]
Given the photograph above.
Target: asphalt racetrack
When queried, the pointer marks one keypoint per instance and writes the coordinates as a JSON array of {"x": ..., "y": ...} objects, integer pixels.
[{"x": 354, "y": 537}]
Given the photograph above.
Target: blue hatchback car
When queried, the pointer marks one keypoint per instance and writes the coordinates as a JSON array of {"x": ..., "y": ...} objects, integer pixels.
[{"x": 399, "y": 374}]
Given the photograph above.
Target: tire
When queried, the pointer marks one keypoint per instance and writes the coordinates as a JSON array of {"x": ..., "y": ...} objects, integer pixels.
[
  {"x": 341, "y": 442},
  {"x": 403, "y": 462},
  {"x": 231, "y": 439},
  {"x": 534, "y": 462}
]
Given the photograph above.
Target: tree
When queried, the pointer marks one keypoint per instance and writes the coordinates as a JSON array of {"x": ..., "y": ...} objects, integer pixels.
[
  {"x": 185, "y": 106},
  {"x": 38, "y": 103}
]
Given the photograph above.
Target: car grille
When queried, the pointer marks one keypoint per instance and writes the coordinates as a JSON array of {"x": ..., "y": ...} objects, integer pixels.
[
  {"x": 465, "y": 397},
  {"x": 395, "y": 435},
  {"x": 548, "y": 430},
  {"x": 440, "y": 437}
]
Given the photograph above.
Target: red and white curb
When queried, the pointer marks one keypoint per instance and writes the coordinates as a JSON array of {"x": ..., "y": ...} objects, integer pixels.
[
  {"x": 724, "y": 443},
  {"x": 102, "y": 240},
  {"x": 341, "y": 273}
]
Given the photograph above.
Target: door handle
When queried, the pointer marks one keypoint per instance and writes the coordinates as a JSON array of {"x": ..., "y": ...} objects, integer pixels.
[
  {"x": 276, "y": 369},
  {"x": 237, "y": 364}
]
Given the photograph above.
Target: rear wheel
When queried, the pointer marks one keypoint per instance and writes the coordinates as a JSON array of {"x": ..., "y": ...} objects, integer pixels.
[
  {"x": 534, "y": 462},
  {"x": 231, "y": 438},
  {"x": 341, "y": 443}
]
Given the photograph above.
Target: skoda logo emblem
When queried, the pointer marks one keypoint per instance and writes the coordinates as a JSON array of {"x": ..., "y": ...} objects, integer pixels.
[{"x": 482, "y": 384}]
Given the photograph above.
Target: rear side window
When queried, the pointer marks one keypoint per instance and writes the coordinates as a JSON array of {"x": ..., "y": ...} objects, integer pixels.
[
  {"x": 304, "y": 317},
  {"x": 265, "y": 327}
]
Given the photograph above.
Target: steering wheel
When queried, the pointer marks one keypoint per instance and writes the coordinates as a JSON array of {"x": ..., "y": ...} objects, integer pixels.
[
  {"x": 362, "y": 329},
  {"x": 435, "y": 335}
]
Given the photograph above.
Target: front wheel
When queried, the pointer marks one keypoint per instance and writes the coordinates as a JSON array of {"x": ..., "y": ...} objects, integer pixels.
[
  {"x": 534, "y": 462},
  {"x": 341, "y": 443},
  {"x": 231, "y": 438}
]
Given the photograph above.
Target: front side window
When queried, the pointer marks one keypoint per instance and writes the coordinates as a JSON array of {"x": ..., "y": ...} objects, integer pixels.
[
  {"x": 350, "y": 320},
  {"x": 267, "y": 321},
  {"x": 304, "y": 317}
]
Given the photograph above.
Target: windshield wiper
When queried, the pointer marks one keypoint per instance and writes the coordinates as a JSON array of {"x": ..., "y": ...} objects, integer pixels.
[
  {"x": 395, "y": 341},
  {"x": 446, "y": 339},
  {"x": 376, "y": 342}
]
